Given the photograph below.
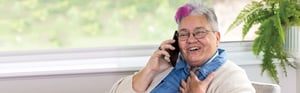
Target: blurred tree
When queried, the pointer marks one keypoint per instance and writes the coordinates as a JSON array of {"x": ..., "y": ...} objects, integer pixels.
[{"x": 48, "y": 24}]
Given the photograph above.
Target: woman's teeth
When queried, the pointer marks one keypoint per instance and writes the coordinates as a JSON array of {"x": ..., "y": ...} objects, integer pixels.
[{"x": 194, "y": 49}]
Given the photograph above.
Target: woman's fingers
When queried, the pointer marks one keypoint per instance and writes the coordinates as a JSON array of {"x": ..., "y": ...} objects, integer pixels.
[
  {"x": 193, "y": 76},
  {"x": 183, "y": 84},
  {"x": 188, "y": 80},
  {"x": 181, "y": 90},
  {"x": 197, "y": 86},
  {"x": 209, "y": 78},
  {"x": 161, "y": 53},
  {"x": 166, "y": 45},
  {"x": 183, "y": 87},
  {"x": 170, "y": 41}
]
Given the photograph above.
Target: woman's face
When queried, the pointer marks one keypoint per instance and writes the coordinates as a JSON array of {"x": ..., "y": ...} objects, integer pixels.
[{"x": 196, "y": 51}]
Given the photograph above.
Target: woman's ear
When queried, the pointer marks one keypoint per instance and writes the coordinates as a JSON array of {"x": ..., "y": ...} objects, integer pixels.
[{"x": 218, "y": 37}]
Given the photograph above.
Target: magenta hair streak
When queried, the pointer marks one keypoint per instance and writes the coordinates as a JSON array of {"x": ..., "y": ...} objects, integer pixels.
[{"x": 183, "y": 11}]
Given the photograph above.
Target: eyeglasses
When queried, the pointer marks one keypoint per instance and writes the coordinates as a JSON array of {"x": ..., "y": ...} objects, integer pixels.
[{"x": 198, "y": 34}]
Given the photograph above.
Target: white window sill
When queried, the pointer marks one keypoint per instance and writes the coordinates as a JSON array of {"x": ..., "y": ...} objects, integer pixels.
[{"x": 78, "y": 66}]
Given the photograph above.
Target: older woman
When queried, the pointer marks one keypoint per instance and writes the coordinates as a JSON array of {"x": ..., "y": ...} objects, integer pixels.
[{"x": 202, "y": 67}]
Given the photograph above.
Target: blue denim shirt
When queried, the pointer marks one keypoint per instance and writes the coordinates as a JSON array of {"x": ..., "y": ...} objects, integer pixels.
[{"x": 171, "y": 83}]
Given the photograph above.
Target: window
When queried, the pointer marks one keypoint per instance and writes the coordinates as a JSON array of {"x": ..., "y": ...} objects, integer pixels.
[{"x": 60, "y": 24}]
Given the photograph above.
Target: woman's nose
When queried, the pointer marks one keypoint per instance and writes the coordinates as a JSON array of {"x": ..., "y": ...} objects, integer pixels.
[{"x": 191, "y": 39}]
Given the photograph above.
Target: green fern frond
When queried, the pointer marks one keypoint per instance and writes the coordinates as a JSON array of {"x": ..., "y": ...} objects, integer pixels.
[
  {"x": 269, "y": 66},
  {"x": 256, "y": 47},
  {"x": 254, "y": 18},
  {"x": 251, "y": 15},
  {"x": 280, "y": 30},
  {"x": 246, "y": 28},
  {"x": 268, "y": 32},
  {"x": 290, "y": 64},
  {"x": 268, "y": 62},
  {"x": 283, "y": 66},
  {"x": 248, "y": 10},
  {"x": 284, "y": 62}
]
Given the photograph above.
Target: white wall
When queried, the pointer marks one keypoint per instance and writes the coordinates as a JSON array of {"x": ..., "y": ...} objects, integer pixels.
[{"x": 82, "y": 83}]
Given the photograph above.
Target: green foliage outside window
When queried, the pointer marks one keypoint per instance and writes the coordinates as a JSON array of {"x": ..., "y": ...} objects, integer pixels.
[{"x": 48, "y": 24}]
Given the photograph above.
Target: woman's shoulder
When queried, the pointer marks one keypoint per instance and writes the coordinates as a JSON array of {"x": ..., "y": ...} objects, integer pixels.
[
  {"x": 230, "y": 66},
  {"x": 230, "y": 78}
]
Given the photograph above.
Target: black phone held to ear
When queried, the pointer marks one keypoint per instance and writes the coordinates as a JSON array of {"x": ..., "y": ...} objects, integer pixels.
[{"x": 174, "y": 53}]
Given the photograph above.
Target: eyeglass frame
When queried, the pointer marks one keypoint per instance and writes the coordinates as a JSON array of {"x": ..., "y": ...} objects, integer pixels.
[{"x": 204, "y": 33}]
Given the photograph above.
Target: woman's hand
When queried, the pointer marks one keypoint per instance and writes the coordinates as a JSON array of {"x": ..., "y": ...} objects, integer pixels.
[
  {"x": 194, "y": 85},
  {"x": 158, "y": 62}
]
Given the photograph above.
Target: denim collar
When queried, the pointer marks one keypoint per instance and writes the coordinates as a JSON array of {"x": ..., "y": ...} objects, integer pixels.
[{"x": 209, "y": 66}]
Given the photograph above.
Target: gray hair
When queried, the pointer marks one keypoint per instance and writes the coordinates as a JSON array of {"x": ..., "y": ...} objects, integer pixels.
[{"x": 197, "y": 8}]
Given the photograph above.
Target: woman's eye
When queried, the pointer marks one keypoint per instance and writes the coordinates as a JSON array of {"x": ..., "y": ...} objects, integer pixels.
[{"x": 183, "y": 35}]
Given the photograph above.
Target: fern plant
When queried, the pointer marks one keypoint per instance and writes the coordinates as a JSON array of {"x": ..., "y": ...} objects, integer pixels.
[{"x": 273, "y": 18}]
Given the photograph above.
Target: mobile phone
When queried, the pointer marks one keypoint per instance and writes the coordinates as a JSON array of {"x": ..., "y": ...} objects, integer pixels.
[{"x": 174, "y": 53}]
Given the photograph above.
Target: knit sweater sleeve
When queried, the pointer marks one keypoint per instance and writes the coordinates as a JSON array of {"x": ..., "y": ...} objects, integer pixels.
[
  {"x": 230, "y": 78},
  {"x": 124, "y": 85}
]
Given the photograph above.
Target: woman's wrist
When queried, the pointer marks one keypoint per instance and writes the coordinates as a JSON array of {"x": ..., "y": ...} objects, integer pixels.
[{"x": 142, "y": 80}]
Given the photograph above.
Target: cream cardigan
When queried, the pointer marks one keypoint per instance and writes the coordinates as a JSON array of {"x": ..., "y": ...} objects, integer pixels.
[{"x": 229, "y": 78}]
